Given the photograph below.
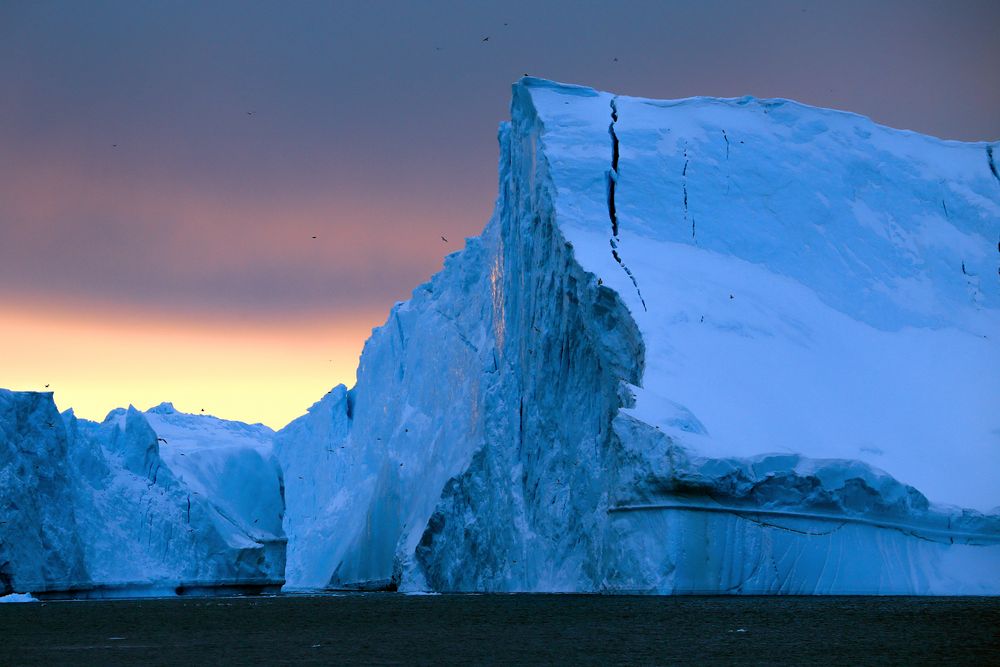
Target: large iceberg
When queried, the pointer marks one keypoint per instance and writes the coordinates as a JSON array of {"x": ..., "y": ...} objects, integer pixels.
[
  {"x": 703, "y": 345},
  {"x": 140, "y": 504}
]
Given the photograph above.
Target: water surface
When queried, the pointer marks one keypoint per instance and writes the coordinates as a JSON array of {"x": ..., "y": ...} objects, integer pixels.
[{"x": 386, "y": 628}]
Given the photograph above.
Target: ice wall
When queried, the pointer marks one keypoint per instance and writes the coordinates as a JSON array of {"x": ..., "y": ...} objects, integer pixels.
[{"x": 39, "y": 543}]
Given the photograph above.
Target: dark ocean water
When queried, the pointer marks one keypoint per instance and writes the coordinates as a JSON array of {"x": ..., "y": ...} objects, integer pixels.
[{"x": 386, "y": 628}]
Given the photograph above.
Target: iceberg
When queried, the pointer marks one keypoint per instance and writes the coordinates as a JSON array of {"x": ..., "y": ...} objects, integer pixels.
[
  {"x": 720, "y": 346},
  {"x": 141, "y": 504},
  {"x": 702, "y": 346}
]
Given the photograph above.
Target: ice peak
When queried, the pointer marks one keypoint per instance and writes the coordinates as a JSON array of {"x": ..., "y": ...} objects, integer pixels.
[{"x": 164, "y": 408}]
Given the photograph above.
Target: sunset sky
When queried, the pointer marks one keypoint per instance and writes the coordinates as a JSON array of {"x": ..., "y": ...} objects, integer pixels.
[{"x": 164, "y": 166}]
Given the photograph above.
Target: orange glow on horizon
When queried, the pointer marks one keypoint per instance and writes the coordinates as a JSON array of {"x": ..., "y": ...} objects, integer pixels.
[{"x": 252, "y": 371}]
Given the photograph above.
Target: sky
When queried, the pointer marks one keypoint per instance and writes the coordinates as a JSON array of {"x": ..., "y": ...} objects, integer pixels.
[{"x": 164, "y": 166}]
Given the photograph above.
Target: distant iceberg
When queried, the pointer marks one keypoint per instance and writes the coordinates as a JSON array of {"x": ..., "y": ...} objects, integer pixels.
[{"x": 119, "y": 508}]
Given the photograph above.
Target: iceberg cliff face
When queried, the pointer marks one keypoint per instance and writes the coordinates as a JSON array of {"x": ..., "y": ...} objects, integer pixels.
[
  {"x": 129, "y": 507},
  {"x": 38, "y": 539},
  {"x": 706, "y": 345}
]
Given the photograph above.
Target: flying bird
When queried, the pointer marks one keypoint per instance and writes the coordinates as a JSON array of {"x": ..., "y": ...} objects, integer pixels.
[
  {"x": 442, "y": 238},
  {"x": 314, "y": 237},
  {"x": 163, "y": 440},
  {"x": 486, "y": 39},
  {"x": 46, "y": 386}
]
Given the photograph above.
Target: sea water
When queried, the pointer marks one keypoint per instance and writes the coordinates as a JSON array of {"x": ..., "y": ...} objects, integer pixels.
[{"x": 389, "y": 628}]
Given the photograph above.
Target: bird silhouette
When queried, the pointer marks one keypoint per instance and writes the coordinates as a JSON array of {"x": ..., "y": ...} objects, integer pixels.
[
  {"x": 442, "y": 238},
  {"x": 163, "y": 440},
  {"x": 314, "y": 237},
  {"x": 486, "y": 39},
  {"x": 46, "y": 386}
]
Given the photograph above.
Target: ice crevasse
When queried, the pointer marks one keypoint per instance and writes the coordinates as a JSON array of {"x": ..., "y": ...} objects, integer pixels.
[{"x": 702, "y": 346}]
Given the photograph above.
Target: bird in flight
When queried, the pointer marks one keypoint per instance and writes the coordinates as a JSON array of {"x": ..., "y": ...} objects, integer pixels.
[
  {"x": 442, "y": 238},
  {"x": 486, "y": 39},
  {"x": 46, "y": 386},
  {"x": 249, "y": 113},
  {"x": 314, "y": 237},
  {"x": 163, "y": 440}
]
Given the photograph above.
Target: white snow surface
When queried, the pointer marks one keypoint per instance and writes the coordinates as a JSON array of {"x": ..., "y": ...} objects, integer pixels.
[{"x": 814, "y": 283}]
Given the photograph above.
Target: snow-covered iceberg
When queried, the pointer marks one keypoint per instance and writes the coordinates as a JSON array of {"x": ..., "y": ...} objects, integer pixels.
[
  {"x": 140, "y": 504},
  {"x": 703, "y": 345}
]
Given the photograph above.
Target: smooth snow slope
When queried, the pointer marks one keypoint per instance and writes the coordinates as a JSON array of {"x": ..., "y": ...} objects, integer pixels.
[{"x": 702, "y": 346}]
